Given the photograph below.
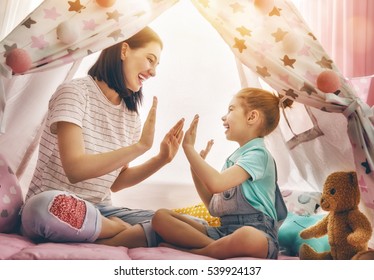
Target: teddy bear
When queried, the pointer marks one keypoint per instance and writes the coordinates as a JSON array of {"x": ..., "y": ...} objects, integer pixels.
[{"x": 348, "y": 229}]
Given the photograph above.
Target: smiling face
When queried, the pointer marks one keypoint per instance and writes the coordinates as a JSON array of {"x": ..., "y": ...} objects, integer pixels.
[
  {"x": 140, "y": 64},
  {"x": 235, "y": 122}
]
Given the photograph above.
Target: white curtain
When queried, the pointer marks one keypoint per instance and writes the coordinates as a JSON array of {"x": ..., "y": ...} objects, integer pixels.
[{"x": 13, "y": 12}]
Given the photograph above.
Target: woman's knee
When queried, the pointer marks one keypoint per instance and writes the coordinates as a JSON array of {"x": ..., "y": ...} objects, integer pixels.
[
  {"x": 34, "y": 215},
  {"x": 36, "y": 207},
  {"x": 60, "y": 216}
]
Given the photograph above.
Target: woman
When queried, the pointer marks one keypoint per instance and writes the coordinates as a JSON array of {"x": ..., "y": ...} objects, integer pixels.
[{"x": 92, "y": 133}]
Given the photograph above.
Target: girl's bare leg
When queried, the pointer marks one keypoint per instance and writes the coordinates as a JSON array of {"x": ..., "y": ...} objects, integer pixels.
[
  {"x": 131, "y": 237},
  {"x": 179, "y": 230},
  {"x": 244, "y": 242}
]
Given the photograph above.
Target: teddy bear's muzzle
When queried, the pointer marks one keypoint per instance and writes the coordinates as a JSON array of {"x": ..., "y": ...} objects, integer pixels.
[{"x": 325, "y": 204}]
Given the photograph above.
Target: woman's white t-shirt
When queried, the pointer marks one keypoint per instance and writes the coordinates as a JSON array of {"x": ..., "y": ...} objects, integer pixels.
[{"x": 105, "y": 127}]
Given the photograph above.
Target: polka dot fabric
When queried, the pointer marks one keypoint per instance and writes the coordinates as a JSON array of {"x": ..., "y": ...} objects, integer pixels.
[
  {"x": 200, "y": 211},
  {"x": 11, "y": 198}
]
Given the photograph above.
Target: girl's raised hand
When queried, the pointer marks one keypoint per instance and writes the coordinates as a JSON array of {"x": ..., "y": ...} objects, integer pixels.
[
  {"x": 206, "y": 151},
  {"x": 190, "y": 135},
  {"x": 148, "y": 132}
]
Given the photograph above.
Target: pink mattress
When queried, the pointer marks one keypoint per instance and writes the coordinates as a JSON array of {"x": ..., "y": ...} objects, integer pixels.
[{"x": 16, "y": 247}]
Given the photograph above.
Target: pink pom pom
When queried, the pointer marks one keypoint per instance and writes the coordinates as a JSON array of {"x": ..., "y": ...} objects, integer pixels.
[
  {"x": 328, "y": 81},
  {"x": 19, "y": 60},
  {"x": 265, "y": 6},
  {"x": 106, "y": 3}
]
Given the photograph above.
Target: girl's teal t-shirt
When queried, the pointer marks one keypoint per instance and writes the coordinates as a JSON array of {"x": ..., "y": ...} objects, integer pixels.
[{"x": 257, "y": 161}]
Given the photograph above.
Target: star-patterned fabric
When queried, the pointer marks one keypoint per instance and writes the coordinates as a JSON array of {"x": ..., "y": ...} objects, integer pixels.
[
  {"x": 276, "y": 44},
  {"x": 96, "y": 27}
]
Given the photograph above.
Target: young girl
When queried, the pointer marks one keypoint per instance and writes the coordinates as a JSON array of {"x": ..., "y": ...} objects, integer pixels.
[
  {"x": 92, "y": 134},
  {"x": 243, "y": 194}
]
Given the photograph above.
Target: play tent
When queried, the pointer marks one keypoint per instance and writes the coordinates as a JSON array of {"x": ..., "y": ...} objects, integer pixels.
[{"x": 260, "y": 43}]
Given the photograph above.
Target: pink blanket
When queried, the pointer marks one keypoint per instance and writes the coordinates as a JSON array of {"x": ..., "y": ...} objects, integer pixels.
[{"x": 16, "y": 247}]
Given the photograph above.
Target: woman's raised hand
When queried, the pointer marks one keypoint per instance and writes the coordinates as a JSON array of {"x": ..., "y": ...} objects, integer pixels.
[{"x": 148, "y": 132}]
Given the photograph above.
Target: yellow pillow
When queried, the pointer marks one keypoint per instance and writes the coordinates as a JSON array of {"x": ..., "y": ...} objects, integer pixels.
[{"x": 200, "y": 211}]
